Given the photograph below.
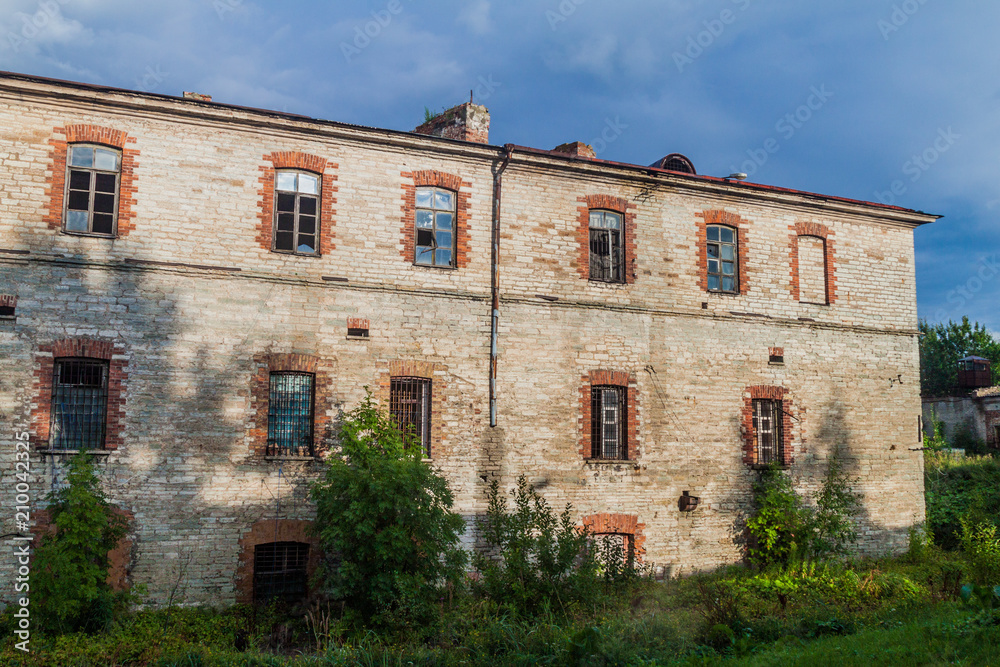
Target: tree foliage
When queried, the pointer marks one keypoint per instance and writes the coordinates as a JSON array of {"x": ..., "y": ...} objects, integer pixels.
[
  {"x": 70, "y": 567},
  {"x": 942, "y": 345},
  {"x": 384, "y": 517}
]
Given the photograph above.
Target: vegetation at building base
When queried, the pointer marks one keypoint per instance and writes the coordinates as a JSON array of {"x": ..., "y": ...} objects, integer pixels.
[
  {"x": 799, "y": 601},
  {"x": 942, "y": 345}
]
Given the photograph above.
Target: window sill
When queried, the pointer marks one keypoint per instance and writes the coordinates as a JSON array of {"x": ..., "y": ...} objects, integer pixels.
[
  {"x": 722, "y": 293},
  {"x": 73, "y": 452},
  {"x": 433, "y": 266},
  {"x": 611, "y": 283},
  {"x": 364, "y": 338},
  {"x": 291, "y": 458},
  {"x": 295, "y": 254},
  {"x": 613, "y": 462},
  {"x": 776, "y": 363},
  {"x": 90, "y": 234},
  {"x": 814, "y": 303}
]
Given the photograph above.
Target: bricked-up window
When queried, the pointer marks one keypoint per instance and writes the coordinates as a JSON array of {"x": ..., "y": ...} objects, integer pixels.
[
  {"x": 296, "y": 211},
  {"x": 279, "y": 572},
  {"x": 721, "y": 255},
  {"x": 92, "y": 174},
  {"x": 410, "y": 405},
  {"x": 615, "y": 546},
  {"x": 79, "y": 404},
  {"x": 812, "y": 269},
  {"x": 290, "y": 415},
  {"x": 608, "y": 421},
  {"x": 607, "y": 256},
  {"x": 435, "y": 227},
  {"x": 767, "y": 437}
]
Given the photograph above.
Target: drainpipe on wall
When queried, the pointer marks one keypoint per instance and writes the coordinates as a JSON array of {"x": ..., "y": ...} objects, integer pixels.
[{"x": 495, "y": 279}]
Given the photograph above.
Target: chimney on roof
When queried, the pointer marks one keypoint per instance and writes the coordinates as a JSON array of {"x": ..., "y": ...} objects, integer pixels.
[
  {"x": 197, "y": 96},
  {"x": 466, "y": 122},
  {"x": 577, "y": 148}
]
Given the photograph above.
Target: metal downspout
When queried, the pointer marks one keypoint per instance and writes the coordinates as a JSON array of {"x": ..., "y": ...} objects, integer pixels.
[{"x": 495, "y": 279}]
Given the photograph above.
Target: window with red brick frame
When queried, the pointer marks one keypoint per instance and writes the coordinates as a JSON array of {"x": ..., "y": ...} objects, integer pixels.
[
  {"x": 609, "y": 423},
  {"x": 624, "y": 525},
  {"x": 65, "y": 184},
  {"x": 715, "y": 219},
  {"x": 87, "y": 363},
  {"x": 767, "y": 422},
  {"x": 432, "y": 219},
  {"x": 292, "y": 217},
  {"x": 283, "y": 375},
  {"x": 816, "y": 230},
  {"x": 601, "y": 236}
]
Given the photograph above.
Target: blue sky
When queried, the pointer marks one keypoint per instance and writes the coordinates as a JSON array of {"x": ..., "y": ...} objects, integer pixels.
[{"x": 904, "y": 94}]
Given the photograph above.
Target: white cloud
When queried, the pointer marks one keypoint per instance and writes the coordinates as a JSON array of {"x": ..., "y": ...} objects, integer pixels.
[{"x": 476, "y": 16}]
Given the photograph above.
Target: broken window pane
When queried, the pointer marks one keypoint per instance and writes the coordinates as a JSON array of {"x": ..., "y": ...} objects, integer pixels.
[
  {"x": 435, "y": 211},
  {"x": 307, "y": 205},
  {"x": 606, "y": 248}
]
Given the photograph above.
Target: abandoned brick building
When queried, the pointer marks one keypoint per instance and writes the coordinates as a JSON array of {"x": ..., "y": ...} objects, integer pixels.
[{"x": 193, "y": 291}]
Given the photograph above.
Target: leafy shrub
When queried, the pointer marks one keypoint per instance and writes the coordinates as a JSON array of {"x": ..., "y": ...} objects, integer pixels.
[
  {"x": 957, "y": 485},
  {"x": 982, "y": 548},
  {"x": 534, "y": 560},
  {"x": 71, "y": 565},
  {"x": 385, "y": 515}
]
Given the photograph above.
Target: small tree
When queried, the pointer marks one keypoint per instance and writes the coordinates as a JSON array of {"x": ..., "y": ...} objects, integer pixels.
[
  {"x": 780, "y": 522},
  {"x": 384, "y": 517},
  {"x": 837, "y": 505},
  {"x": 71, "y": 564}
]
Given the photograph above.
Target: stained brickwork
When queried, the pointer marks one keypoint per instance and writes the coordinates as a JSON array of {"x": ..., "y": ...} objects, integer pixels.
[{"x": 194, "y": 311}]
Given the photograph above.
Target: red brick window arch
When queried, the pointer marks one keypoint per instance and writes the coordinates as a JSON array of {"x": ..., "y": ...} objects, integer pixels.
[
  {"x": 79, "y": 395},
  {"x": 767, "y": 423},
  {"x": 277, "y": 537},
  {"x": 91, "y": 190},
  {"x": 624, "y": 527},
  {"x": 435, "y": 222},
  {"x": 609, "y": 422},
  {"x": 813, "y": 263},
  {"x": 722, "y": 252},
  {"x": 285, "y": 389},
  {"x": 297, "y": 198},
  {"x": 606, "y": 239}
]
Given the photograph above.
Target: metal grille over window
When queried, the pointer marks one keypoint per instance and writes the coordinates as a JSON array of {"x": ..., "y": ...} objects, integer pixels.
[
  {"x": 296, "y": 211},
  {"x": 767, "y": 419},
  {"x": 410, "y": 405},
  {"x": 290, "y": 415},
  {"x": 79, "y": 404},
  {"x": 608, "y": 413},
  {"x": 606, "y": 256},
  {"x": 92, "y": 189},
  {"x": 435, "y": 219},
  {"x": 279, "y": 571},
  {"x": 721, "y": 250}
]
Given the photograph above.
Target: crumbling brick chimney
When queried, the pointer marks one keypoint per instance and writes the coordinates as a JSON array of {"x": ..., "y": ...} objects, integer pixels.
[
  {"x": 467, "y": 122},
  {"x": 197, "y": 96},
  {"x": 577, "y": 148}
]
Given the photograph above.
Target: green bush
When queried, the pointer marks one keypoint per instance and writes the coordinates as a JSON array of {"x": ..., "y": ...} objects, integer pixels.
[
  {"x": 384, "y": 517},
  {"x": 982, "y": 547},
  {"x": 957, "y": 485},
  {"x": 71, "y": 565}
]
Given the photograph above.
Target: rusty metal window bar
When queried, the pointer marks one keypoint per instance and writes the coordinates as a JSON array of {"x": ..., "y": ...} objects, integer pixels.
[
  {"x": 91, "y": 196},
  {"x": 435, "y": 221},
  {"x": 296, "y": 212},
  {"x": 410, "y": 405},
  {"x": 79, "y": 404},
  {"x": 722, "y": 257},
  {"x": 606, "y": 248},
  {"x": 767, "y": 436},
  {"x": 279, "y": 572},
  {"x": 608, "y": 422},
  {"x": 290, "y": 415}
]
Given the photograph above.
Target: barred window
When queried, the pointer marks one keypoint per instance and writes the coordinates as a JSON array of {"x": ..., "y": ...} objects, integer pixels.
[
  {"x": 435, "y": 220},
  {"x": 767, "y": 437},
  {"x": 92, "y": 174},
  {"x": 279, "y": 572},
  {"x": 79, "y": 404},
  {"x": 606, "y": 248},
  {"x": 723, "y": 262},
  {"x": 608, "y": 421},
  {"x": 410, "y": 405},
  {"x": 290, "y": 415},
  {"x": 296, "y": 212}
]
